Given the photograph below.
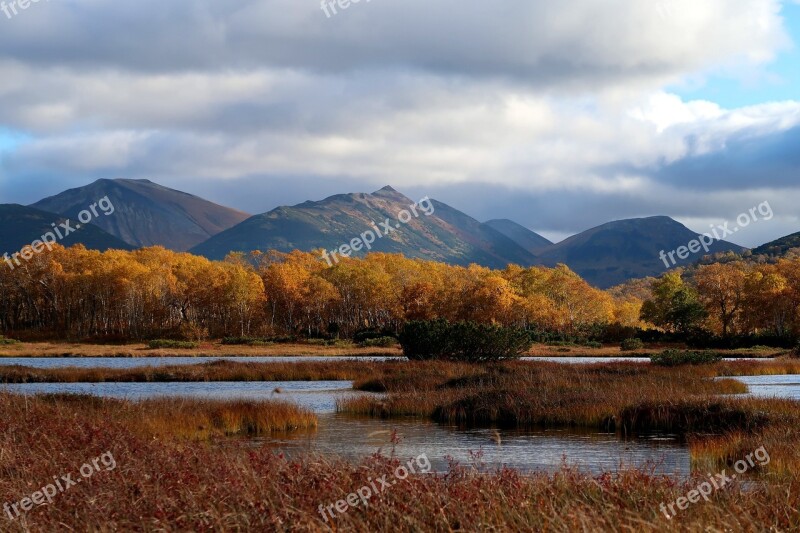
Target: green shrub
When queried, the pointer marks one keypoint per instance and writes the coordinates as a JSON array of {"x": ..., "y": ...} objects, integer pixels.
[
  {"x": 684, "y": 357},
  {"x": 379, "y": 342},
  {"x": 367, "y": 334},
  {"x": 629, "y": 345},
  {"x": 594, "y": 344},
  {"x": 7, "y": 342},
  {"x": 166, "y": 343},
  {"x": 318, "y": 342},
  {"x": 337, "y": 343},
  {"x": 246, "y": 341},
  {"x": 562, "y": 343},
  {"x": 462, "y": 341}
]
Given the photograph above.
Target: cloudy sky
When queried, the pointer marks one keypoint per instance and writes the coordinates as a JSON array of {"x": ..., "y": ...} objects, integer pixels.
[{"x": 559, "y": 115}]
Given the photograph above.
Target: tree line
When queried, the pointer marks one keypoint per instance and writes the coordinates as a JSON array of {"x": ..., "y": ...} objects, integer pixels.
[{"x": 75, "y": 293}]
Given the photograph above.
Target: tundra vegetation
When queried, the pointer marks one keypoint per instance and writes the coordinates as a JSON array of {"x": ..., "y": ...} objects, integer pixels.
[{"x": 184, "y": 465}]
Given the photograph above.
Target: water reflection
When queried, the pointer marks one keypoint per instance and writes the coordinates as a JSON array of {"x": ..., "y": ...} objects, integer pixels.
[
  {"x": 541, "y": 450},
  {"x": 356, "y": 438}
]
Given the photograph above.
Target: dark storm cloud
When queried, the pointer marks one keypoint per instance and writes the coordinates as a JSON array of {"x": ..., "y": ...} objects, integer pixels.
[{"x": 746, "y": 161}]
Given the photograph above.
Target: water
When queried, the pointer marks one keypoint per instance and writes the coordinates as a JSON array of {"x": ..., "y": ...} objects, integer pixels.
[
  {"x": 782, "y": 386},
  {"x": 356, "y": 438},
  {"x": 318, "y": 396},
  {"x": 526, "y": 451}
]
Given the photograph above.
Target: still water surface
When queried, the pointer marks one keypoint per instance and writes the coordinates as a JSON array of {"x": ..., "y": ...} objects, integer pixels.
[
  {"x": 355, "y": 438},
  {"x": 782, "y": 386}
]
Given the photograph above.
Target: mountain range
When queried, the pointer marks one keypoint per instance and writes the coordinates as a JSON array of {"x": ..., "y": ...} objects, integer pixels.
[{"x": 147, "y": 214}]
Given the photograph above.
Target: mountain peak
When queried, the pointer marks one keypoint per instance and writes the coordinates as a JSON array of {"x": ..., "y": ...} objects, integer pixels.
[
  {"x": 388, "y": 188},
  {"x": 147, "y": 213},
  {"x": 616, "y": 251}
]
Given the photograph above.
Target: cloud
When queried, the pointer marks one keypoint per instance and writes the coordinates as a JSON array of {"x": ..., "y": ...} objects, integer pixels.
[
  {"x": 555, "y": 113},
  {"x": 572, "y": 43}
]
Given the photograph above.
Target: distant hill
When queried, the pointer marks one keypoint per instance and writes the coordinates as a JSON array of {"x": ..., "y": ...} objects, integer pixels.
[
  {"x": 447, "y": 235},
  {"x": 148, "y": 214},
  {"x": 610, "y": 254},
  {"x": 779, "y": 247},
  {"x": 529, "y": 240},
  {"x": 20, "y": 226}
]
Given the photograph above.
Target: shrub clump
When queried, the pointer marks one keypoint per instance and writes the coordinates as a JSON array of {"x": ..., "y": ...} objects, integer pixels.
[
  {"x": 336, "y": 343},
  {"x": 684, "y": 357},
  {"x": 796, "y": 351},
  {"x": 7, "y": 342},
  {"x": 629, "y": 345},
  {"x": 462, "y": 341},
  {"x": 247, "y": 341},
  {"x": 379, "y": 342},
  {"x": 172, "y": 344}
]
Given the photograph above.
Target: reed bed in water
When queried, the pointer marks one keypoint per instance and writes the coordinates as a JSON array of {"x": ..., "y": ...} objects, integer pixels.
[
  {"x": 170, "y": 483},
  {"x": 186, "y": 418}
]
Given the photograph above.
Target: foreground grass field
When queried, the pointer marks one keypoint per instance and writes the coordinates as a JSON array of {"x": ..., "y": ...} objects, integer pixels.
[
  {"x": 188, "y": 466},
  {"x": 166, "y": 480}
]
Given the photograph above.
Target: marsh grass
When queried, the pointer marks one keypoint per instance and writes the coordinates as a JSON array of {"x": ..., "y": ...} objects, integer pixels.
[
  {"x": 190, "y": 418},
  {"x": 170, "y": 483},
  {"x": 624, "y": 397},
  {"x": 216, "y": 349},
  {"x": 209, "y": 371}
]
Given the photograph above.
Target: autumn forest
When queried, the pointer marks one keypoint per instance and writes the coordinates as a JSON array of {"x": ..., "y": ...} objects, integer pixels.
[{"x": 148, "y": 293}]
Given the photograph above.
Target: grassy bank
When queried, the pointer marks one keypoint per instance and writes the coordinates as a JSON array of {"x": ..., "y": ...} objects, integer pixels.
[
  {"x": 610, "y": 396},
  {"x": 375, "y": 376},
  {"x": 211, "y": 371},
  {"x": 186, "y": 418},
  {"x": 206, "y": 349},
  {"x": 218, "y": 349}
]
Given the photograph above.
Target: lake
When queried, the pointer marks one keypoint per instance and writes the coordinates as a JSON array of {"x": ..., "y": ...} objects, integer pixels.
[
  {"x": 356, "y": 438},
  {"x": 781, "y": 386}
]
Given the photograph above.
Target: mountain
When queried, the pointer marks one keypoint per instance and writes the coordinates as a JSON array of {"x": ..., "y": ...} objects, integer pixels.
[
  {"x": 779, "y": 247},
  {"x": 147, "y": 214},
  {"x": 20, "y": 226},
  {"x": 530, "y": 241},
  {"x": 618, "y": 251},
  {"x": 446, "y": 235}
]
